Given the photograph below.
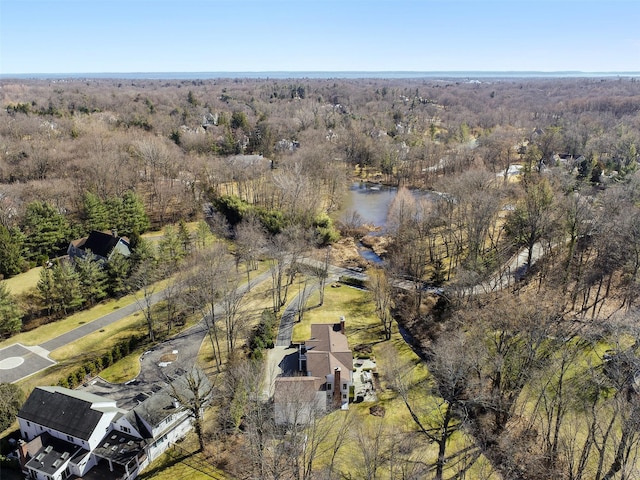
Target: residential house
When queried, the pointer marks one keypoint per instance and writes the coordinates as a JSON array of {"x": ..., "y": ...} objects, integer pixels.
[
  {"x": 75, "y": 433},
  {"x": 101, "y": 244},
  {"x": 323, "y": 377}
]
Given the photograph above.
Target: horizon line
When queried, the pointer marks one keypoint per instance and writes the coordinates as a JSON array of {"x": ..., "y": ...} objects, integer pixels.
[
  {"x": 482, "y": 76},
  {"x": 176, "y": 72}
]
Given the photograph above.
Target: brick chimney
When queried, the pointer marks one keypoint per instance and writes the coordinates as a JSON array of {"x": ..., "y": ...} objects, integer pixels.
[
  {"x": 23, "y": 452},
  {"x": 337, "y": 388},
  {"x": 342, "y": 325}
]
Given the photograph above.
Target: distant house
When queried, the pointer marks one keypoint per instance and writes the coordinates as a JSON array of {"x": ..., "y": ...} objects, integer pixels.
[
  {"x": 70, "y": 433},
  {"x": 101, "y": 244},
  {"x": 323, "y": 377}
]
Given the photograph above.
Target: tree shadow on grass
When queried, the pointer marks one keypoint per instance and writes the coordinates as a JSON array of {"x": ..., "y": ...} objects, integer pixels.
[{"x": 174, "y": 458}]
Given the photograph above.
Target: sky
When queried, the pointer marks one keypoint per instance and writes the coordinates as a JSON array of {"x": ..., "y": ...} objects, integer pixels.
[{"x": 99, "y": 36}]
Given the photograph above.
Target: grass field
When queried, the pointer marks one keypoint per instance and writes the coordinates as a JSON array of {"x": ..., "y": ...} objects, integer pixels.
[{"x": 24, "y": 282}]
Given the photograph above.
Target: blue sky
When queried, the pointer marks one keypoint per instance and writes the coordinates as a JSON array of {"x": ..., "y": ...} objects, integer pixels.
[{"x": 93, "y": 36}]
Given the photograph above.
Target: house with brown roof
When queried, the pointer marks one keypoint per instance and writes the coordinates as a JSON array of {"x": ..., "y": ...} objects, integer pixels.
[{"x": 323, "y": 378}]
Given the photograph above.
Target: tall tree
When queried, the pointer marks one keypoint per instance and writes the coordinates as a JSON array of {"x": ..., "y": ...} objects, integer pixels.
[
  {"x": 10, "y": 314},
  {"x": 11, "y": 251},
  {"x": 383, "y": 296},
  {"x": 203, "y": 291},
  {"x": 193, "y": 392},
  {"x": 143, "y": 281},
  {"x": 93, "y": 277},
  {"x": 96, "y": 213},
  {"x": 532, "y": 219},
  {"x": 47, "y": 231},
  {"x": 11, "y": 400}
]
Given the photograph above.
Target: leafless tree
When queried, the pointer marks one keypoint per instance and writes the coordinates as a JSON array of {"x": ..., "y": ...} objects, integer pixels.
[
  {"x": 192, "y": 392},
  {"x": 381, "y": 288},
  {"x": 143, "y": 281},
  {"x": 250, "y": 239},
  {"x": 204, "y": 287}
]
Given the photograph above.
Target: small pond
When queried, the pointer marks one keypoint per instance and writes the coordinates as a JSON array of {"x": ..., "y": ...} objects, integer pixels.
[{"x": 372, "y": 201}]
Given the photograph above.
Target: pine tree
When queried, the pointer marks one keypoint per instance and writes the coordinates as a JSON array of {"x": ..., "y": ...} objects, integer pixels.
[
  {"x": 47, "y": 231},
  {"x": 96, "y": 213},
  {"x": 117, "y": 271},
  {"x": 132, "y": 215},
  {"x": 184, "y": 236},
  {"x": 46, "y": 289},
  {"x": 93, "y": 278},
  {"x": 11, "y": 251},
  {"x": 10, "y": 314},
  {"x": 171, "y": 248},
  {"x": 68, "y": 287}
]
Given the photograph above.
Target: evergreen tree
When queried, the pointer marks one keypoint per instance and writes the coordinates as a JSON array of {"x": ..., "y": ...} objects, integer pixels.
[
  {"x": 184, "y": 236},
  {"x": 96, "y": 213},
  {"x": 11, "y": 251},
  {"x": 10, "y": 314},
  {"x": 68, "y": 287},
  {"x": 171, "y": 248},
  {"x": 47, "y": 231},
  {"x": 117, "y": 271},
  {"x": 132, "y": 215},
  {"x": 46, "y": 289},
  {"x": 93, "y": 278},
  {"x": 60, "y": 288}
]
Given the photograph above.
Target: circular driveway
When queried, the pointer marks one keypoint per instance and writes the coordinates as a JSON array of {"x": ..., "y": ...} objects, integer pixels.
[{"x": 18, "y": 361}]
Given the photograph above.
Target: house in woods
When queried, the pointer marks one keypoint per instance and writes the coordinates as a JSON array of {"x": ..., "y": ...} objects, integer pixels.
[
  {"x": 322, "y": 379},
  {"x": 102, "y": 244},
  {"x": 71, "y": 433}
]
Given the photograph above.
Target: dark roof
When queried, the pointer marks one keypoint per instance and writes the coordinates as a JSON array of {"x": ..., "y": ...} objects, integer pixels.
[
  {"x": 100, "y": 243},
  {"x": 54, "y": 455},
  {"x": 119, "y": 447},
  {"x": 155, "y": 408},
  {"x": 71, "y": 412}
]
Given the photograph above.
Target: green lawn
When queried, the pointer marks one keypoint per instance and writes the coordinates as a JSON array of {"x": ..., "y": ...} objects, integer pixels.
[
  {"x": 24, "y": 282},
  {"x": 51, "y": 330}
]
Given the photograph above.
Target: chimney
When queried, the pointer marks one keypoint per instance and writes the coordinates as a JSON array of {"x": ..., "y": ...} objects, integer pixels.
[
  {"x": 114, "y": 232},
  {"x": 337, "y": 388},
  {"x": 23, "y": 452},
  {"x": 342, "y": 325}
]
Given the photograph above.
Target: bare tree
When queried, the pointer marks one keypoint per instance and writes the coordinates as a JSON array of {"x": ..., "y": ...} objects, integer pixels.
[
  {"x": 204, "y": 285},
  {"x": 382, "y": 290},
  {"x": 250, "y": 239},
  {"x": 192, "y": 392},
  {"x": 143, "y": 281}
]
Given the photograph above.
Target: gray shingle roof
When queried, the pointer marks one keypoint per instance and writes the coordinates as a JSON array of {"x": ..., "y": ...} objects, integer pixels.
[{"x": 68, "y": 411}]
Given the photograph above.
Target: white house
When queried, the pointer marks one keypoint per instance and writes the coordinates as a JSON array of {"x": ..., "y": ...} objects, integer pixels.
[{"x": 69, "y": 432}]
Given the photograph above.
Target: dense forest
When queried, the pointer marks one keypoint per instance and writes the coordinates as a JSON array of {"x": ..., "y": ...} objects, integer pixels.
[{"x": 541, "y": 373}]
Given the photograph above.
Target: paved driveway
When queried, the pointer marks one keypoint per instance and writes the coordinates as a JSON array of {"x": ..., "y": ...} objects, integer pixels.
[{"x": 18, "y": 361}]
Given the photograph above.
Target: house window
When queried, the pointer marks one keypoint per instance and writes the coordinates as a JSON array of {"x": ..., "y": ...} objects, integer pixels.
[
  {"x": 328, "y": 386},
  {"x": 70, "y": 438},
  {"x": 125, "y": 429},
  {"x": 28, "y": 424},
  {"x": 344, "y": 386}
]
